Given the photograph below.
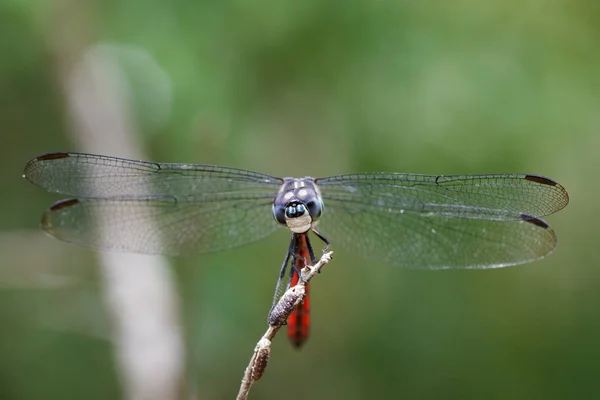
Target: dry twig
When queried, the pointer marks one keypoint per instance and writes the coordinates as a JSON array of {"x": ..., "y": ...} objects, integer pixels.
[{"x": 278, "y": 318}]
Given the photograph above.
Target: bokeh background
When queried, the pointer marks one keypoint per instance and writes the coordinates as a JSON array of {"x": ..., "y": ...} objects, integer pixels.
[{"x": 311, "y": 88}]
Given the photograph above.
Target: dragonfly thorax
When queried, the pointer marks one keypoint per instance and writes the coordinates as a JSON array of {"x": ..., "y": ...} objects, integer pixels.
[{"x": 298, "y": 204}]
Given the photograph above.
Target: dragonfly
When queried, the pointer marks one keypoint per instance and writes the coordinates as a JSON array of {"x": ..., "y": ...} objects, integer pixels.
[{"x": 406, "y": 220}]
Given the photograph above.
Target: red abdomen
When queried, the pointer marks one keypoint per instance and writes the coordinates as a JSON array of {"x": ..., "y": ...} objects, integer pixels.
[{"x": 299, "y": 321}]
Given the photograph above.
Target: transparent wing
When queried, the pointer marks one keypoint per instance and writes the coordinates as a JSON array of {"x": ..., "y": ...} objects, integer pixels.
[
  {"x": 153, "y": 208},
  {"x": 161, "y": 225},
  {"x": 434, "y": 222},
  {"x": 94, "y": 176}
]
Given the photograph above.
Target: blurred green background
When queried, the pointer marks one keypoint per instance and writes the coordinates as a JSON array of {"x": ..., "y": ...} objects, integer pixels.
[{"x": 317, "y": 88}]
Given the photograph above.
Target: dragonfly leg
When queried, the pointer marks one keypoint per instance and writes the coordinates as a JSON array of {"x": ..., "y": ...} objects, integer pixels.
[
  {"x": 324, "y": 239},
  {"x": 279, "y": 287},
  {"x": 298, "y": 267}
]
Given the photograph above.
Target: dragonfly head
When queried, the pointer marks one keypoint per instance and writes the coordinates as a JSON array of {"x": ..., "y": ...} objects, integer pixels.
[{"x": 298, "y": 204}]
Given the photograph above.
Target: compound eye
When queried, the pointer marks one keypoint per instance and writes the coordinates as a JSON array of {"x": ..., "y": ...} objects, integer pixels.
[
  {"x": 314, "y": 208},
  {"x": 279, "y": 213}
]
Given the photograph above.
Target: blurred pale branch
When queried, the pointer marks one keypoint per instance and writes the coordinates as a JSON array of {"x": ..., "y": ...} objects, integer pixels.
[{"x": 139, "y": 291}]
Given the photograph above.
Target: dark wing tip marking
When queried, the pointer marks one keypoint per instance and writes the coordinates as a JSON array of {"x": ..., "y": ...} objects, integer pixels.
[
  {"x": 541, "y": 179},
  {"x": 535, "y": 221},
  {"x": 564, "y": 195},
  {"x": 32, "y": 164},
  {"x": 63, "y": 204},
  {"x": 52, "y": 156},
  {"x": 58, "y": 206}
]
